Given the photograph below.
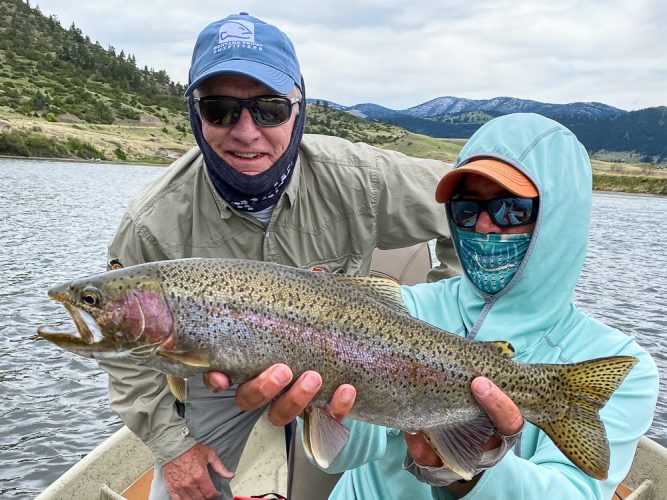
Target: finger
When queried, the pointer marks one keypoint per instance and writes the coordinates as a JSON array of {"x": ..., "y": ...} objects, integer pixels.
[
  {"x": 218, "y": 466},
  {"x": 216, "y": 381},
  {"x": 208, "y": 491},
  {"x": 204, "y": 486},
  {"x": 421, "y": 451},
  {"x": 199, "y": 482},
  {"x": 290, "y": 405},
  {"x": 502, "y": 411},
  {"x": 189, "y": 493},
  {"x": 342, "y": 401},
  {"x": 262, "y": 389}
]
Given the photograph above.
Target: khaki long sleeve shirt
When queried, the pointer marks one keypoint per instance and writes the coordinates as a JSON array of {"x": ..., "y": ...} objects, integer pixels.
[{"x": 343, "y": 201}]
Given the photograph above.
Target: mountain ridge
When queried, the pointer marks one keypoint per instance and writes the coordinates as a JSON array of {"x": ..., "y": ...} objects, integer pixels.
[
  {"x": 502, "y": 105},
  {"x": 605, "y": 131}
]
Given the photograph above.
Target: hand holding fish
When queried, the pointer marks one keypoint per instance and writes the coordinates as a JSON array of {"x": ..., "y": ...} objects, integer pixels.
[
  {"x": 268, "y": 386},
  {"x": 501, "y": 410}
]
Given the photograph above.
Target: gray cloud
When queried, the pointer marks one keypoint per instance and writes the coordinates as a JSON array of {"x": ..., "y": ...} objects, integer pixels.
[{"x": 399, "y": 54}]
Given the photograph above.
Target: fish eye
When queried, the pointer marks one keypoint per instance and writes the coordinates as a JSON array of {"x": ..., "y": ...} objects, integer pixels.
[{"x": 90, "y": 296}]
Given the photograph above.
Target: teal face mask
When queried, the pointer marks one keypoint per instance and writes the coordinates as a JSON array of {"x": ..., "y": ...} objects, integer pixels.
[{"x": 491, "y": 260}]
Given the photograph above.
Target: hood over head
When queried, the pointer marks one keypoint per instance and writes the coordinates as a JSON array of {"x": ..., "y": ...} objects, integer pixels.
[{"x": 541, "y": 292}]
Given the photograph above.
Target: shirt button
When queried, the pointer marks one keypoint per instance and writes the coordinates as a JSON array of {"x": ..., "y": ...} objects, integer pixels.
[{"x": 185, "y": 431}]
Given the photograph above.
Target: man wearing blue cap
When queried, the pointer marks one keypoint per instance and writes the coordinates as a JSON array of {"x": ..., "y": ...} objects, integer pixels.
[{"x": 257, "y": 188}]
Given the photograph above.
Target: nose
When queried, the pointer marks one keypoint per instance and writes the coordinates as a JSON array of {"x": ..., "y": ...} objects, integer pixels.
[
  {"x": 485, "y": 224},
  {"x": 245, "y": 130}
]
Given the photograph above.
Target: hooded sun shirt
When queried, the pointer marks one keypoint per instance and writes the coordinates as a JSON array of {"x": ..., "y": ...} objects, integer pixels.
[
  {"x": 250, "y": 193},
  {"x": 540, "y": 293},
  {"x": 535, "y": 313}
]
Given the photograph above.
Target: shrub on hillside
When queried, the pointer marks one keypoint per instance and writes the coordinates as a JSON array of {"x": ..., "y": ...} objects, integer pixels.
[{"x": 32, "y": 145}]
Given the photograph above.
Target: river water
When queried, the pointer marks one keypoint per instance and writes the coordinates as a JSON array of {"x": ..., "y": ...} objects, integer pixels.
[{"x": 55, "y": 221}]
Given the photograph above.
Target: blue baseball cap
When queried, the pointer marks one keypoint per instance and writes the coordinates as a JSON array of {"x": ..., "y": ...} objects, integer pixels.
[{"x": 244, "y": 45}]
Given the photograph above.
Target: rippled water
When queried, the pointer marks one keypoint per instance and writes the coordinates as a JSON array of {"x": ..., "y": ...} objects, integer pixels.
[{"x": 55, "y": 222}]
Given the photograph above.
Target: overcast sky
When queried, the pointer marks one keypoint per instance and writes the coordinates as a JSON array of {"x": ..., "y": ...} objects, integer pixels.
[{"x": 399, "y": 54}]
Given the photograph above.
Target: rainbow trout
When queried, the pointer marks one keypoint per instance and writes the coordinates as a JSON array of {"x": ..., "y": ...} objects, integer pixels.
[{"x": 184, "y": 317}]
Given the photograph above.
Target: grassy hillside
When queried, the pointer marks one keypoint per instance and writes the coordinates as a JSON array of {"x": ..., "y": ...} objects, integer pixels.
[{"x": 59, "y": 90}]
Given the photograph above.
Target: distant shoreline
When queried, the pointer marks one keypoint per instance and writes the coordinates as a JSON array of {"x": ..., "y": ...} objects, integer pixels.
[
  {"x": 625, "y": 193},
  {"x": 82, "y": 160}
]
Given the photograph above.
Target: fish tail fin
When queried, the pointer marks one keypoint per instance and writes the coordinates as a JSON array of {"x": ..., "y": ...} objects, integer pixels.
[{"x": 579, "y": 433}]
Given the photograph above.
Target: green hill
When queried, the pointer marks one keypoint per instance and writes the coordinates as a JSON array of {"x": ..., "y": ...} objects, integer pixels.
[{"x": 63, "y": 95}]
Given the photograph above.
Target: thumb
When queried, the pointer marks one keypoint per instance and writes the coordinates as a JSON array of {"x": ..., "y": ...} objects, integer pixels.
[
  {"x": 502, "y": 411},
  {"x": 217, "y": 465}
]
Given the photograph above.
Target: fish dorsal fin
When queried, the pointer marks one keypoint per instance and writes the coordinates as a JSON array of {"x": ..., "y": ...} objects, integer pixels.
[
  {"x": 178, "y": 387},
  {"x": 461, "y": 446},
  {"x": 323, "y": 436},
  {"x": 501, "y": 348},
  {"x": 383, "y": 290},
  {"x": 194, "y": 358}
]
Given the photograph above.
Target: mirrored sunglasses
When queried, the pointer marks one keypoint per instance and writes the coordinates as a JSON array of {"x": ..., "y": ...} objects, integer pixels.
[{"x": 504, "y": 212}]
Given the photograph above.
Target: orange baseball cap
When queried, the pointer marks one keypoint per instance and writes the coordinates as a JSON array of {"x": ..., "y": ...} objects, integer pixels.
[{"x": 498, "y": 171}]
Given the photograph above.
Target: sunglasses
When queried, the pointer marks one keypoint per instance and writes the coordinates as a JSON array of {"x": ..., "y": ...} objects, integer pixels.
[
  {"x": 505, "y": 212},
  {"x": 266, "y": 110}
]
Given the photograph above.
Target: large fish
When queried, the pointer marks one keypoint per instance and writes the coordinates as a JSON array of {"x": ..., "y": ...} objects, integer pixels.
[{"x": 184, "y": 317}]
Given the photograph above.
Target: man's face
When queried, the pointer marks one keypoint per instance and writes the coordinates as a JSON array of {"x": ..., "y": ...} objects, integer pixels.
[
  {"x": 476, "y": 187},
  {"x": 249, "y": 148}
]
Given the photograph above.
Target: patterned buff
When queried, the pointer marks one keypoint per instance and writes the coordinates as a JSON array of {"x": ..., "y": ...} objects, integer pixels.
[
  {"x": 491, "y": 260},
  {"x": 250, "y": 193}
]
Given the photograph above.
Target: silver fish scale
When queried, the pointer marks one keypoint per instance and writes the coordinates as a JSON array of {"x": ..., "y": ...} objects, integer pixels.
[{"x": 248, "y": 315}]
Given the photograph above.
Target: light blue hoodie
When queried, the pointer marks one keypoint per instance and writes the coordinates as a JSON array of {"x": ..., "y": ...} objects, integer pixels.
[{"x": 536, "y": 315}]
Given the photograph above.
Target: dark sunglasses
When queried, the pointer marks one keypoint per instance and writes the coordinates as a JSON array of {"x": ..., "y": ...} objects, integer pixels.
[
  {"x": 266, "y": 110},
  {"x": 505, "y": 212}
]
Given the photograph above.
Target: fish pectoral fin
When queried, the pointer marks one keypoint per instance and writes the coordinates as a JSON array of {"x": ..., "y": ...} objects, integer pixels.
[
  {"x": 178, "y": 387},
  {"x": 501, "y": 348},
  {"x": 323, "y": 436},
  {"x": 460, "y": 446},
  {"x": 196, "y": 358},
  {"x": 383, "y": 290}
]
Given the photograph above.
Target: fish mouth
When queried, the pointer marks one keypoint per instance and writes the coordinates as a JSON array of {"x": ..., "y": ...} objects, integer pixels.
[{"x": 87, "y": 341}]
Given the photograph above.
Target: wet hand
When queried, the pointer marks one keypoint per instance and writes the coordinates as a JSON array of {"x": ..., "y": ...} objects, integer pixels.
[
  {"x": 502, "y": 411},
  {"x": 187, "y": 476}
]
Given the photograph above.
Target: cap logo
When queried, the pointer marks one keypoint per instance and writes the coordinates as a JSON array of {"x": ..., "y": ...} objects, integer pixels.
[
  {"x": 237, "y": 31},
  {"x": 236, "y": 34}
]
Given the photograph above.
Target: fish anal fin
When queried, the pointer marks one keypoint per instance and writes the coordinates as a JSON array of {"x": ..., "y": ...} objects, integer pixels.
[
  {"x": 178, "y": 387},
  {"x": 501, "y": 348},
  {"x": 323, "y": 436},
  {"x": 383, "y": 290},
  {"x": 460, "y": 446},
  {"x": 194, "y": 358}
]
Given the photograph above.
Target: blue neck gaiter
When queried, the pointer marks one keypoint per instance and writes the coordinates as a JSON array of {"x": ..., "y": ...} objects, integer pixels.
[
  {"x": 490, "y": 260},
  {"x": 250, "y": 193}
]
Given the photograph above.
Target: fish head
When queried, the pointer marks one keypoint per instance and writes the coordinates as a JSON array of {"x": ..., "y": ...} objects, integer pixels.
[{"x": 118, "y": 314}]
